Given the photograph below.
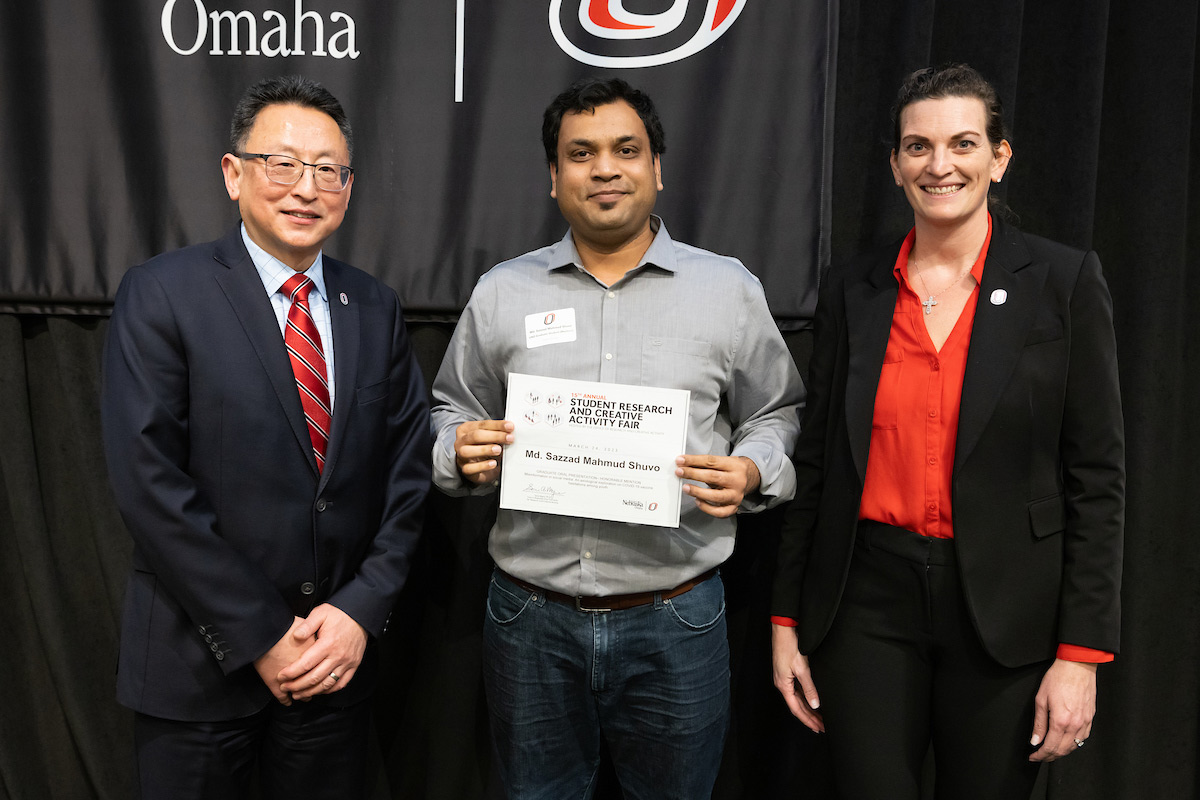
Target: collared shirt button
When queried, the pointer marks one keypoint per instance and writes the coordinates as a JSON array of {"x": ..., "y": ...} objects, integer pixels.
[
  {"x": 933, "y": 506},
  {"x": 932, "y": 413},
  {"x": 933, "y": 460},
  {"x": 587, "y": 554},
  {"x": 307, "y": 587},
  {"x": 612, "y": 294},
  {"x": 608, "y": 356}
]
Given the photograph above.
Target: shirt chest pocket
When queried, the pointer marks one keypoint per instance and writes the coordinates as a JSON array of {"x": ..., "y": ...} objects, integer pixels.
[
  {"x": 675, "y": 363},
  {"x": 887, "y": 395}
]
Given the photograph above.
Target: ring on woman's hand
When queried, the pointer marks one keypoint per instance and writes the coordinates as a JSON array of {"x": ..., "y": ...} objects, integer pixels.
[{"x": 1080, "y": 742}]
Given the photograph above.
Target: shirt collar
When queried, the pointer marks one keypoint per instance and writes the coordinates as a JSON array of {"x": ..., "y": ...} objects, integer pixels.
[
  {"x": 274, "y": 272},
  {"x": 660, "y": 253}
]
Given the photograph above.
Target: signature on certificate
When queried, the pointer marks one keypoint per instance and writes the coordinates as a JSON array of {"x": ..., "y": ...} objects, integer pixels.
[{"x": 544, "y": 493}]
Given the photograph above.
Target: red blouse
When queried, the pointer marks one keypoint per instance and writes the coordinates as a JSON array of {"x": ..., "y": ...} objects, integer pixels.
[{"x": 916, "y": 412}]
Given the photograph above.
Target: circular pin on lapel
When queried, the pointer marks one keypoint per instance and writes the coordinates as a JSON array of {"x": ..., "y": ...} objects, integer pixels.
[
  {"x": 998, "y": 297},
  {"x": 346, "y": 301}
]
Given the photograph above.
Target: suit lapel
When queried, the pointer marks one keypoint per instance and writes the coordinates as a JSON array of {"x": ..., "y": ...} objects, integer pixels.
[
  {"x": 344, "y": 318},
  {"x": 244, "y": 290},
  {"x": 869, "y": 308},
  {"x": 998, "y": 333}
]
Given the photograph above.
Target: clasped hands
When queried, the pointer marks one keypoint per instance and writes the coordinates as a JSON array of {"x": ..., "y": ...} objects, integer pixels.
[
  {"x": 478, "y": 447},
  {"x": 318, "y": 655}
]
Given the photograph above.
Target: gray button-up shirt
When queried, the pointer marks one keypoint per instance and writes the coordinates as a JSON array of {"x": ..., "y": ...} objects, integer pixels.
[{"x": 684, "y": 318}]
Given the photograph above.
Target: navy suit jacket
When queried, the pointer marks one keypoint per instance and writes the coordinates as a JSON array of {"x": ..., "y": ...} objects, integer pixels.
[
  {"x": 1039, "y": 477},
  {"x": 235, "y": 531}
]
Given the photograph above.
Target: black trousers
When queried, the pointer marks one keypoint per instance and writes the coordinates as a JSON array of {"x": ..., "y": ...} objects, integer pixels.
[
  {"x": 902, "y": 667},
  {"x": 308, "y": 750}
]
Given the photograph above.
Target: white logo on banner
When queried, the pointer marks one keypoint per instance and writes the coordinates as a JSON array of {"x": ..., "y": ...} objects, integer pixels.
[
  {"x": 608, "y": 19},
  {"x": 235, "y": 33}
]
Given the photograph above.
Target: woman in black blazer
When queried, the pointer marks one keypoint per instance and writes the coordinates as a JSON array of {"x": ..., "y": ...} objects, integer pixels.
[{"x": 949, "y": 572}]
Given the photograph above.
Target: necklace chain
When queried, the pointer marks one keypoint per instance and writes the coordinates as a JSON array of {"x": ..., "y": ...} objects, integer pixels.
[{"x": 931, "y": 300}]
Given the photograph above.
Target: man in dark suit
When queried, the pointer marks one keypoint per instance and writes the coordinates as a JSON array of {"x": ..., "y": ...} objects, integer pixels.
[{"x": 266, "y": 431}]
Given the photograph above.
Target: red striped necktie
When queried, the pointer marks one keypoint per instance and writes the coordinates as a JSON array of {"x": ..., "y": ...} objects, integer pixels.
[{"x": 308, "y": 363}]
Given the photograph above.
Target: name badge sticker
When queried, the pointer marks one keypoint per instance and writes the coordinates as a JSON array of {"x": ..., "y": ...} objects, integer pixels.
[{"x": 550, "y": 327}]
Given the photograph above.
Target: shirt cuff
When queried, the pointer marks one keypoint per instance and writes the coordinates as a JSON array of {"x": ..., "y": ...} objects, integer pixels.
[
  {"x": 1086, "y": 655},
  {"x": 774, "y": 484},
  {"x": 1067, "y": 652}
]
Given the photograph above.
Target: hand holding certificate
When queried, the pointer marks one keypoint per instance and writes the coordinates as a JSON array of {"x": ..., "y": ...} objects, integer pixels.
[
  {"x": 591, "y": 449},
  {"x": 478, "y": 446}
]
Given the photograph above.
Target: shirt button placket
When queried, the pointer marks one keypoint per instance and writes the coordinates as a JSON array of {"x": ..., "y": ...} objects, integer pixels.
[
  {"x": 608, "y": 336},
  {"x": 587, "y": 556}
]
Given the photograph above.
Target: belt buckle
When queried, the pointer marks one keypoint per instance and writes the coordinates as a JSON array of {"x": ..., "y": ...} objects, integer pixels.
[{"x": 579, "y": 606}]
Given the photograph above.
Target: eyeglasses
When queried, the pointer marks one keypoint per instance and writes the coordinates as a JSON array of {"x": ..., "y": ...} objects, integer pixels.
[{"x": 288, "y": 170}]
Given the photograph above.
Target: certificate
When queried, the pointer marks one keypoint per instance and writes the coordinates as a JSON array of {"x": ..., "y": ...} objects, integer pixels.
[{"x": 591, "y": 449}]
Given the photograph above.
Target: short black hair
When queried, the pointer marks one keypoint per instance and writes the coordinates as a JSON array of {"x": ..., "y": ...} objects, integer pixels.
[
  {"x": 295, "y": 90},
  {"x": 950, "y": 80},
  {"x": 585, "y": 95}
]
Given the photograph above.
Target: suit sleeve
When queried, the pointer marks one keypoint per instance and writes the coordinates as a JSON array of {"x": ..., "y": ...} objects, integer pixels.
[
  {"x": 371, "y": 594},
  {"x": 809, "y": 457},
  {"x": 145, "y": 420},
  {"x": 1093, "y": 464}
]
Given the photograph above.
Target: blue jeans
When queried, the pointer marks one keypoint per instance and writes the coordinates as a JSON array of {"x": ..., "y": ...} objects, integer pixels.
[{"x": 653, "y": 681}]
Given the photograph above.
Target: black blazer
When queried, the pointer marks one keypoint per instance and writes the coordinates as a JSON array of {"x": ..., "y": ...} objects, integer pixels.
[
  {"x": 210, "y": 460},
  {"x": 1039, "y": 479}
]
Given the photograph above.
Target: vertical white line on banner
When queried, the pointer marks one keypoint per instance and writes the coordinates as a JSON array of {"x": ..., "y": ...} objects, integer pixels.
[{"x": 458, "y": 53}]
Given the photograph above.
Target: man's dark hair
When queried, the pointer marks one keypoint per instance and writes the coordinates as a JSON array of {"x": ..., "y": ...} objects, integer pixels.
[
  {"x": 294, "y": 90},
  {"x": 585, "y": 95},
  {"x": 950, "y": 80}
]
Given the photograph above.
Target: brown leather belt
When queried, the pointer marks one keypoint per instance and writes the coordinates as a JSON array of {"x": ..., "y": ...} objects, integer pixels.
[{"x": 612, "y": 602}]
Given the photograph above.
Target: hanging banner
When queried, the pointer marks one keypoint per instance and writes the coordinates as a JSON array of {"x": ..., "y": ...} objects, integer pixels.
[{"x": 117, "y": 117}]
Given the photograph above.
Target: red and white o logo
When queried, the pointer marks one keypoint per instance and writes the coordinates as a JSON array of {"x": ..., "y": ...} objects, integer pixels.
[{"x": 602, "y": 20}]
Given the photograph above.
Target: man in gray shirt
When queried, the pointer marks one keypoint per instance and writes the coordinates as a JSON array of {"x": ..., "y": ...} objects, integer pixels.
[{"x": 598, "y": 629}]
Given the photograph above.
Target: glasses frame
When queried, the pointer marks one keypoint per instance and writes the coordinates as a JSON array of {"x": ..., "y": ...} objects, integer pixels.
[{"x": 348, "y": 172}]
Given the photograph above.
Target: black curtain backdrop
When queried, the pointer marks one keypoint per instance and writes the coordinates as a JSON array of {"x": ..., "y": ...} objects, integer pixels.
[
  {"x": 1101, "y": 98},
  {"x": 114, "y": 115}
]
